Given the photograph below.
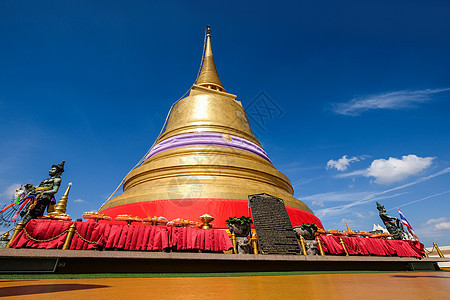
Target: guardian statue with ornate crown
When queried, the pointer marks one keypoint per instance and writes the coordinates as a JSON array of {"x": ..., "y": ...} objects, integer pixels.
[
  {"x": 393, "y": 224},
  {"x": 30, "y": 202}
]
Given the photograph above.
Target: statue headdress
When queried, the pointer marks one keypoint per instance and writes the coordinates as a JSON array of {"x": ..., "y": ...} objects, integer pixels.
[
  {"x": 379, "y": 206},
  {"x": 59, "y": 168}
]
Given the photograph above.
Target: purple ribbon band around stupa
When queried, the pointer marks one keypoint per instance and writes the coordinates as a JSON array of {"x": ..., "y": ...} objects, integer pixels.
[{"x": 208, "y": 139}]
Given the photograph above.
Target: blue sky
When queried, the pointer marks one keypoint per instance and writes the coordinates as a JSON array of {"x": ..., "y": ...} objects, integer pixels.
[{"x": 362, "y": 91}]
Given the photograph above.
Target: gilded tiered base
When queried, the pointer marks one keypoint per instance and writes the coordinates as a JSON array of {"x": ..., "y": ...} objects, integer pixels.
[{"x": 187, "y": 182}]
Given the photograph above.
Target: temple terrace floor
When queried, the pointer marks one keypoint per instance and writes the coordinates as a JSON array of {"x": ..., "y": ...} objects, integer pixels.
[{"x": 312, "y": 285}]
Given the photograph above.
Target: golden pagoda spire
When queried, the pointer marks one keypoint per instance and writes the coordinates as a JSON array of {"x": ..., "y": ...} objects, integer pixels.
[
  {"x": 62, "y": 203},
  {"x": 208, "y": 76}
]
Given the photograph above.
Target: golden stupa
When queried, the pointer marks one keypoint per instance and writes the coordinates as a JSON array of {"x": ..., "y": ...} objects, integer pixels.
[{"x": 206, "y": 161}]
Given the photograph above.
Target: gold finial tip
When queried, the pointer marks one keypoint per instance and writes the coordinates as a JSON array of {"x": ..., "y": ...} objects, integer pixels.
[
  {"x": 70, "y": 183},
  {"x": 208, "y": 76}
]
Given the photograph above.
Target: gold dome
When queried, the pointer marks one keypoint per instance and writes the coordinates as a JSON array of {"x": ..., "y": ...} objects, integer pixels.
[{"x": 207, "y": 151}]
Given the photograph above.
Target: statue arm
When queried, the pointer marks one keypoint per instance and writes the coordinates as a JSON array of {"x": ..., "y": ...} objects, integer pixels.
[
  {"x": 385, "y": 217},
  {"x": 388, "y": 217},
  {"x": 56, "y": 184}
]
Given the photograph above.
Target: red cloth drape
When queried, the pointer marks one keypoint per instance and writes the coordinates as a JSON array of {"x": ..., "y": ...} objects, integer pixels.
[
  {"x": 371, "y": 246},
  {"x": 90, "y": 235},
  {"x": 221, "y": 209},
  {"x": 42, "y": 230},
  {"x": 191, "y": 238},
  {"x": 330, "y": 245},
  {"x": 52, "y": 234}
]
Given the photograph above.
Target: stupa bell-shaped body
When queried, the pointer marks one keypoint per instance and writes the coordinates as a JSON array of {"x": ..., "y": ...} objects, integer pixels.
[{"x": 206, "y": 161}]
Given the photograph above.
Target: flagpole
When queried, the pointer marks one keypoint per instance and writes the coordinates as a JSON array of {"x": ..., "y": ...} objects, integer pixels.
[{"x": 407, "y": 224}]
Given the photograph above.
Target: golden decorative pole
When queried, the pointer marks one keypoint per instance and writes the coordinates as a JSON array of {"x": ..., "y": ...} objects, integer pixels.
[
  {"x": 18, "y": 229},
  {"x": 319, "y": 244},
  {"x": 254, "y": 243},
  {"x": 62, "y": 203},
  {"x": 302, "y": 242},
  {"x": 233, "y": 241},
  {"x": 438, "y": 250},
  {"x": 69, "y": 236},
  {"x": 5, "y": 236},
  {"x": 343, "y": 246}
]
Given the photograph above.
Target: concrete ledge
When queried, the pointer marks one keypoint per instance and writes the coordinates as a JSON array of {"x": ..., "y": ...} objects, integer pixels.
[{"x": 91, "y": 261}]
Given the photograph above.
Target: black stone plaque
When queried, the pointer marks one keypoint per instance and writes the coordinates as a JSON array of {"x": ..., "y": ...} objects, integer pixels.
[{"x": 273, "y": 226}]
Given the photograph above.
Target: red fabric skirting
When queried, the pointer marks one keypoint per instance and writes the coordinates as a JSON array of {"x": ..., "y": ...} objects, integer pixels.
[
  {"x": 117, "y": 236},
  {"x": 371, "y": 246},
  {"x": 42, "y": 230},
  {"x": 52, "y": 234},
  {"x": 220, "y": 209}
]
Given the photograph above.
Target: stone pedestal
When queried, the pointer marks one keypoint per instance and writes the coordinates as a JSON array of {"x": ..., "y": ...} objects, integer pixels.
[{"x": 243, "y": 245}]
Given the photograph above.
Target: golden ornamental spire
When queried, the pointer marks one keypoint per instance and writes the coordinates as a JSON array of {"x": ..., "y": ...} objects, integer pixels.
[
  {"x": 62, "y": 203},
  {"x": 208, "y": 76}
]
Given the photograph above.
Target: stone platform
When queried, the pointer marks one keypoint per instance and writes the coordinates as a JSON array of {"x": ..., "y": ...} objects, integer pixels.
[{"x": 91, "y": 261}]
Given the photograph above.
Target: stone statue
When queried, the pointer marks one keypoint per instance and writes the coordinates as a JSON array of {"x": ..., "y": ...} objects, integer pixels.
[
  {"x": 44, "y": 193},
  {"x": 311, "y": 248},
  {"x": 243, "y": 245},
  {"x": 393, "y": 225},
  {"x": 241, "y": 227},
  {"x": 307, "y": 231}
]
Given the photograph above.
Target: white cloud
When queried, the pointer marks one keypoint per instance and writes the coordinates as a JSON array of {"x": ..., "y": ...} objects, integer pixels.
[
  {"x": 373, "y": 196},
  {"x": 442, "y": 226},
  {"x": 434, "y": 221},
  {"x": 336, "y": 197},
  {"x": 346, "y": 221},
  {"x": 439, "y": 224},
  {"x": 360, "y": 215},
  {"x": 387, "y": 171},
  {"x": 79, "y": 201},
  {"x": 318, "y": 203},
  {"x": 370, "y": 198},
  {"x": 342, "y": 163},
  {"x": 393, "y": 100},
  {"x": 422, "y": 199},
  {"x": 422, "y": 179},
  {"x": 10, "y": 190},
  {"x": 394, "y": 169},
  {"x": 353, "y": 174},
  {"x": 304, "y": 181}
]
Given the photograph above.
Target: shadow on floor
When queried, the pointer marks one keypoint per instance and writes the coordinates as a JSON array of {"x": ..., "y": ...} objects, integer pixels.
[
  {"x": 425, "y": 276},
  {"x": 45, "y": 288},
  {"x": 21, "y": 280}
]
